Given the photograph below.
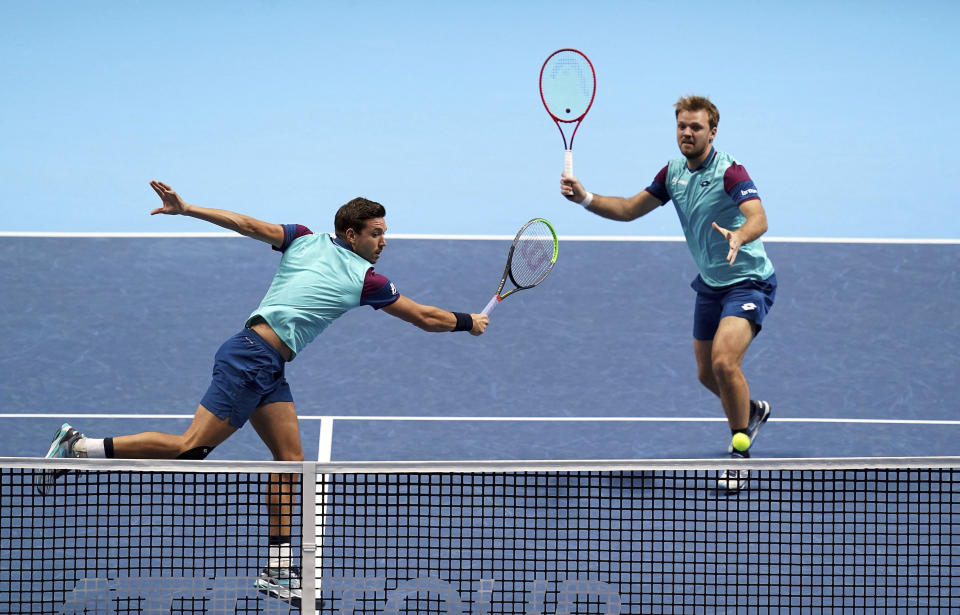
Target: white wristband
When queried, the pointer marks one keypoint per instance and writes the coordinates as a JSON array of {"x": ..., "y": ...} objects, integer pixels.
[{"x": 587, "y": 200}]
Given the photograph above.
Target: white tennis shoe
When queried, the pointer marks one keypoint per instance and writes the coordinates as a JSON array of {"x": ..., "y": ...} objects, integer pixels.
[
  {"x": 281, "y": 583},
  {"x": 734, "y": 480}
]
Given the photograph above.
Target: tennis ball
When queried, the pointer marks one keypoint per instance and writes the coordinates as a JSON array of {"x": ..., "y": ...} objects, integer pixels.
[{"x": 741, "y": 441}]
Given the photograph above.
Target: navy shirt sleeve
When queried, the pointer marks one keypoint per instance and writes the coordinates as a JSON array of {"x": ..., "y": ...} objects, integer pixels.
[
  {"x": 658, "y": 188},
  {"x": 378, "y": 291},
  {"x": 738, "y": 184},
  {"x": 291, "y": 232}
]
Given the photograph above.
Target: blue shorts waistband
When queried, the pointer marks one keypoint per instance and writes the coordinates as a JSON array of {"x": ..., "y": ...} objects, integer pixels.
[{"x": 259, "y": 338}]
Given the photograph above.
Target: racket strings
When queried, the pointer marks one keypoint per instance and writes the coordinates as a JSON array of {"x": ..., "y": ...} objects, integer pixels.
[
  {"x": 567, "y": 84},
  {"x": 533, "y": 255}
]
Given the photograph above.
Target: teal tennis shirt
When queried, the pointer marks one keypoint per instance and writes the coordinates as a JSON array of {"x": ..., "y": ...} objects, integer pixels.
[
  {"x": 316, "y": 283},
  {"x": 708, "y": 194}
]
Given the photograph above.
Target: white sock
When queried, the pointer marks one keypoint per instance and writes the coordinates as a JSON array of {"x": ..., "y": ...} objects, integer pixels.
[
  {"x": 279, "y": 556},
  {"x": 89, "y": 447}
]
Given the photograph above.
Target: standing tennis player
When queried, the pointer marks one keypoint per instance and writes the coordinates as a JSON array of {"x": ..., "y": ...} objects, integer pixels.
[
  {"x": 320, "y": 277},
  {"x": 722, "y": 218}
]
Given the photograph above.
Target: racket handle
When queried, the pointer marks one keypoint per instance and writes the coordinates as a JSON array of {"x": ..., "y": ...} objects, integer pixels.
[
  {"x": 568, "y": 162},
  {"x": 490, "y": 305}
]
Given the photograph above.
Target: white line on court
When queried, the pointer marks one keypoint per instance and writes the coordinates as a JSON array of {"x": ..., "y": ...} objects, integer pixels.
[
  {"x": 543, "y": 419},
  {"x": 627, "y": 238}
]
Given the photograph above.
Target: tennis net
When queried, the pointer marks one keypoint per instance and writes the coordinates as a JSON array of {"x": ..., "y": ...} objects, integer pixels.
[{"x": 868, "y": 535}]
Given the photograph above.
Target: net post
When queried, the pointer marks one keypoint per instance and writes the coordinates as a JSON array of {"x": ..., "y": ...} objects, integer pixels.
[{"x": 309, "y": 585}]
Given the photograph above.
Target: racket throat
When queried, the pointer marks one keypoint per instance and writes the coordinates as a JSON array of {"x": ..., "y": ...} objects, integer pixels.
[{"x": 491, "y": 304}]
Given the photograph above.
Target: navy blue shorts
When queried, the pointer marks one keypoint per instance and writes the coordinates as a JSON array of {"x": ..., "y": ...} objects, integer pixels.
[
  {"x": 247, "y": 373},
  {"x": 750, "y": 299}
]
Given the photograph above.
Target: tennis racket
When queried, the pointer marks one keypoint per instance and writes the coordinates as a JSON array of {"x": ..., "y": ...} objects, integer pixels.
[
  {"x": 567, "y": 87},
  {"x": 531, "y": 257}
]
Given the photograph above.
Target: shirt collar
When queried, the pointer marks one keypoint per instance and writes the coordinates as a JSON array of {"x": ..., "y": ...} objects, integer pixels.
[
  {"x": 707, "y": 162},
  {"x": 341, "y": 243}
]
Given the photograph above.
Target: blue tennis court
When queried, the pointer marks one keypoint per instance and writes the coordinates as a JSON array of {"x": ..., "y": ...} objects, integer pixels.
[
  {"x": 116, "y": 335},
  {"x": 858, "y": 357}
]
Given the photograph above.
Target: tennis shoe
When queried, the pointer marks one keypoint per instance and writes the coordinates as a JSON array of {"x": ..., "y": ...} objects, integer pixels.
[
  {"x": 281, "y": 583},
  {"x": 734, "y": 480},
  {"x": 62, "y": 447},
  {"x": 759, "y": 413}
]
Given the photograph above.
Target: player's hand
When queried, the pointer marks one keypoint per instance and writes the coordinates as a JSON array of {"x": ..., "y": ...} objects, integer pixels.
[
  {"x": 480, "y": 322},
  {"x": 571, "y": 188},
  {"x": 172, "y": 203},
  {"x": 733, "y": 238}
]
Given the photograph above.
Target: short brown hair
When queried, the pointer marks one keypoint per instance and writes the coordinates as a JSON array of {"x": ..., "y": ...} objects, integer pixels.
[
  {"x": 699, "y": 103},
  {"x": 355, "y": 213}
]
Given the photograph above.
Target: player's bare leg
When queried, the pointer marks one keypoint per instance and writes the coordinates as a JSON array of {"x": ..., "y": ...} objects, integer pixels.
[
  {"x": 278, "y": 427},
  {"x": 206, "y": 431},
  {"x": 718, "y": 368}
]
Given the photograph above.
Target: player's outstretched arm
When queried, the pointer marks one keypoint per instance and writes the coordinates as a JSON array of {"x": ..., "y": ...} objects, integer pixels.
[
  {"x": 434, "y": 319},
  {"x": 173, "y": 205},
  {"x": 619, "y": 208}
]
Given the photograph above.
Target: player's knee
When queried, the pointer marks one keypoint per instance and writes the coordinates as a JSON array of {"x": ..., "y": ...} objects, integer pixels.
[
  {"x": 289, "y": 456},
  {"x": 725, "y": 368},
  {"x": 705, "y": 376}
]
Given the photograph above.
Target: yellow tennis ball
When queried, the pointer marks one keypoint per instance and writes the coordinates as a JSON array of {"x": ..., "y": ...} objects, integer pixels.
[{"x": 741, "y": 441}]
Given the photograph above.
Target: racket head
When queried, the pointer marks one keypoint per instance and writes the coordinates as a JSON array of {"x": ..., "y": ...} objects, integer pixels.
[
  {"x": 568, "y": 84},
  {"x": 533, "y": 254}
]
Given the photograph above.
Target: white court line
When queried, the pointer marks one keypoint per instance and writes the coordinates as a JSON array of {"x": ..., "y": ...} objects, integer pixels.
[
  {"x": 627, "y": 238},
  {"x": 543, "y": 419}
]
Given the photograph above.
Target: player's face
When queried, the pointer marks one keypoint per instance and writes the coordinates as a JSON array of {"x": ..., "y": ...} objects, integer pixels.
[
  {"x": 369, "y": 242},
  {"x": 694, "y": 135}
]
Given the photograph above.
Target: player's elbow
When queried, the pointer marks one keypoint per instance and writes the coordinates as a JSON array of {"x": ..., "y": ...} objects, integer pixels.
[
  {"x": 245, "y": 226},
  {"x": 759, "y": 225}
]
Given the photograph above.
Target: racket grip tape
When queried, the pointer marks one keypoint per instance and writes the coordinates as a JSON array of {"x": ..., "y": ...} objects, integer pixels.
[
  {"x": 491, "y": 305},
  {"x": 568, "y": 162}
]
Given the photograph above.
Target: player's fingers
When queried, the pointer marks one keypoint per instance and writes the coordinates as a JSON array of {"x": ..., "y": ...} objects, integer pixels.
[
  {"x": 480, "y": 322},
  {"x": 570, "y": 187}
]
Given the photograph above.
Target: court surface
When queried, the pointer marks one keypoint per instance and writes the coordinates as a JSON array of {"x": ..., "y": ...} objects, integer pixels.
[{"x": 858, "y": 356}]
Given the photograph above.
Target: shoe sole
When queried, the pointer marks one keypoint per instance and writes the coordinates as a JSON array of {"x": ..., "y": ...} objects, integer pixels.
[
  {"x": 272, "y": 593},
  {"x": 294, "y": 601}
]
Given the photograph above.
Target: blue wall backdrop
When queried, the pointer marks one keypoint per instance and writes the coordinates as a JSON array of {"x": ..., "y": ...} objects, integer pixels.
[{"x": 284, "y": 110}]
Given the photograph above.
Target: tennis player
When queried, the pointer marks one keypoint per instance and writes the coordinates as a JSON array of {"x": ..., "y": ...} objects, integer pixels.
[
  {"x": 320, "y": 277},
  {"x": 722, "y": 219}
]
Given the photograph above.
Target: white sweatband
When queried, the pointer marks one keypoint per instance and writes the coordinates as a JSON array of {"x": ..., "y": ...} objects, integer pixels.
[{"x": 587, "y": 200}]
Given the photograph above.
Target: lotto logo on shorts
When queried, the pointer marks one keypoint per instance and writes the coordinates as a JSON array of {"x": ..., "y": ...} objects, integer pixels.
[{"x": 746, "y": 307}]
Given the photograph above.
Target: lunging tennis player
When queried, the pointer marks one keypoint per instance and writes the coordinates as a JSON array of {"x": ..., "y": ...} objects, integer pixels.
[
  {"x": 722, "y": 218},
  {"x": 320, "y": 277}
]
